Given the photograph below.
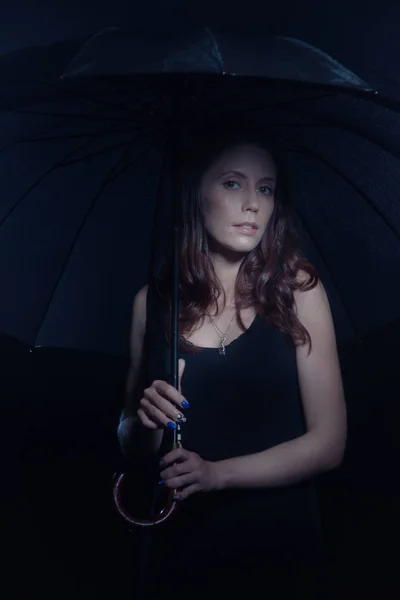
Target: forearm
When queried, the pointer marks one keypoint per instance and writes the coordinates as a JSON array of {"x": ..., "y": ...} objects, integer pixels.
[
  {"x": 135, "y": 440},
  {"x": 284, "y": 464}
]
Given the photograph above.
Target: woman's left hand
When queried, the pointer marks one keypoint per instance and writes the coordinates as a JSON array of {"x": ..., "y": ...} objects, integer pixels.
[{"x": 187, "y": 472}]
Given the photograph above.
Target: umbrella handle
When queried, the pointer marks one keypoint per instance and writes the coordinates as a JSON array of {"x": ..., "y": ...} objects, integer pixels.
[{"x": 162, "y": 516}]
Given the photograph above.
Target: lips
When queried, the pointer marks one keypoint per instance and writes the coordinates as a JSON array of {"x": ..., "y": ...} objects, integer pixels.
[
  {"x": 248, "y": 225},
  {"x": 248, "y": 230}
]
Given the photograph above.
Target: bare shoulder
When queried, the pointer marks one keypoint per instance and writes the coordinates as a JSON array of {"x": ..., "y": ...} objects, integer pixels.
[
  {"x": 139, "y": 308},
  {"x": 139, "y": 303},
  {"x": 137, "y": 333},
  {"x": 138, "y": 326},
  {"x": 310, "y": 302},
  {"x": 314, "y": 313}
]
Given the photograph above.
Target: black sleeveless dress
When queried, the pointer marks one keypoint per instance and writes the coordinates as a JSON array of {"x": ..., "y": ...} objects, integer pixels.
[{"x": 244, "y": 539}]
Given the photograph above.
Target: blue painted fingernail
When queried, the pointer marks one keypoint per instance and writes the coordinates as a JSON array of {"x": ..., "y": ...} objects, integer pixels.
[
  {"x": 171, "y": 425},
  {"x": 185, "y": 404},
  {"x": 161, "y": 482}
]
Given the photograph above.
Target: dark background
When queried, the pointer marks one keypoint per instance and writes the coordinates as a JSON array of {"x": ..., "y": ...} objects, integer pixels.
[{"x": 62, "y": 538}]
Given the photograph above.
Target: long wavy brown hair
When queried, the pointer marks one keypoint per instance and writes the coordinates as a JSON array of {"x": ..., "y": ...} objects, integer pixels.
[{"x": 268, "y": 275}]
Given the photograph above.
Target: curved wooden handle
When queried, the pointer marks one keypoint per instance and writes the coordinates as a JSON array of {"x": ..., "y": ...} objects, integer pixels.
[{"x": 162, "y": 516}]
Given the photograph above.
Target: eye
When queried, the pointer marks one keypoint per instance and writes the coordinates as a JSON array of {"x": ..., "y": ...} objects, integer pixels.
[
  {"x": 267, "y": 190},
  {"x": 231, "y": 185}
]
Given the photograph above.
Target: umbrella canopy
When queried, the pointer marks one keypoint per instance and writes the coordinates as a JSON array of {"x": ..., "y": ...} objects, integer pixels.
[{"x": 83, "y": 172}]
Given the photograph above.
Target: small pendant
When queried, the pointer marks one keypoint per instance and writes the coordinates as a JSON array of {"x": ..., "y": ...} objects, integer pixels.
[{"x": 222, "y": 349}]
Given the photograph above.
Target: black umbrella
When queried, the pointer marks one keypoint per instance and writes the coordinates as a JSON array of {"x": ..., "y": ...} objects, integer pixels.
[{"x": 82, "y": 160}]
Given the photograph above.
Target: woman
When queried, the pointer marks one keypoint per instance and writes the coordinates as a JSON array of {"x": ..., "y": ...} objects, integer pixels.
[{"x": 261, "y": 404}]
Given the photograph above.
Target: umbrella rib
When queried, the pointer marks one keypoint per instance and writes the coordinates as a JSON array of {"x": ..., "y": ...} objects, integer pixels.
[
  {"x": 210, "y": 103},
  {"x": 75, "y": 136},
  {"x": 95, "y": 154},
  {"x": 329, "y": 121},
  {"x": 96, "y": 99},
  {"x": 107, "y": 180},
  {"x": 325, "y": 121},
  {"x": 393, "y": 105},
  {"x": 36, "y": 137},
  {"x": 132, "y": 163},
  {"x": 66, "y": 116},
  {"x": 91, "y": 115},
  {"x": 66, "y": 90},
  {"x": 355, "y": 187},
  {"x": 328, "y": 268},
  {"x": 285, "y": 103},
  {"x": 36, "y": 183},
  {"x": 148, "y": 103},
  {"x": 53, "y": 168}
]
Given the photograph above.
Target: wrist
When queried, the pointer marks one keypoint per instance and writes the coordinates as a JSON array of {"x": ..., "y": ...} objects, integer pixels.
[{"x": 221, "y": 475}]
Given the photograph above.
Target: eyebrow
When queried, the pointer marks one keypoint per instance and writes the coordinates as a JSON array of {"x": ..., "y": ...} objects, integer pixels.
[{"x": 243, "y": 176}]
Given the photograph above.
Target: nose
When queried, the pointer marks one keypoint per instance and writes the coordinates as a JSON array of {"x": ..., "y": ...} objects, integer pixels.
[{"x": 251, "y": 202}]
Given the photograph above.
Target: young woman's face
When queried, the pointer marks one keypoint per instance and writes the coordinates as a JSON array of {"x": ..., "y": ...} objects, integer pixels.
[{"x": 238, "y": 192}]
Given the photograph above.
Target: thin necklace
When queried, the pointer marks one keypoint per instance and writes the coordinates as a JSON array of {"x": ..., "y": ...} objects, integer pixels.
[{"x": 222, "y": 350}]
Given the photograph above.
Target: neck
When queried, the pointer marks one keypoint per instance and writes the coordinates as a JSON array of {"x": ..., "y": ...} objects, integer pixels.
[{"x": 226, "y": 270}]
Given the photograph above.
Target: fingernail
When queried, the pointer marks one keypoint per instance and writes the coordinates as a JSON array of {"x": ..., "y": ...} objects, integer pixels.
[
  {"x": 171, "y": 425},
  {"x": 185, "y": 404},
  {"x": 161, "y": 482},
  {"x": 181, "y": 418}
]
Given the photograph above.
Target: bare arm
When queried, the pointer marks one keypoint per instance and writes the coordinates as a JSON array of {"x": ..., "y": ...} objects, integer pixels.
[
  {"x": 322, "y": 447},
  {"x": 132, "y": 436}
]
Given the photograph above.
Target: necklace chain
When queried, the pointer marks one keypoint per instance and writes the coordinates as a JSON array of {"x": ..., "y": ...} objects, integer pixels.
[{"x": 221, "y": 333}]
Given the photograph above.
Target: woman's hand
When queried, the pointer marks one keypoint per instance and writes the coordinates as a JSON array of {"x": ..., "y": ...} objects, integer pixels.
[
  {"x": 188, "y": 472},
  {"x": 161, "y": 404}
]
